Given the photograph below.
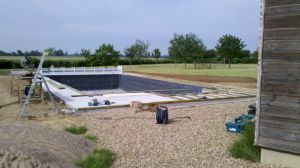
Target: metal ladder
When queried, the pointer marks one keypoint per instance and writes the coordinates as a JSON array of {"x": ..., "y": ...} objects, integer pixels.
[{"x": 38, "y": 75}]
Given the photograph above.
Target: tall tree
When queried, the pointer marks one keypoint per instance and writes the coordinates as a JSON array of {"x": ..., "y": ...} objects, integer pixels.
[
  {"x": 105, "y": 55},
  {"x": 59, "y": 52},
  {"x": 254, "y": 54},
  {"x": 186, "y": 48},
  {"x": 20, "y": 53},
  {"x": 210, "y": 54},
  {"x": 142, "y": 50},
  {"x": 245, "y": 54},
  {"x": 85, "y": 52},
  {"x": 138, "y": 50},
  {"x": 130, "y": 54},
  {"x": 230, "y": 47},
  {"x": 156, "y": 54},
  {"x": 50, "y": 51}
]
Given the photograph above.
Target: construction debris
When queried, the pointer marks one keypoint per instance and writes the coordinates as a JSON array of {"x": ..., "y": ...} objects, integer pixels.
[{"x": 136, "y": 106}]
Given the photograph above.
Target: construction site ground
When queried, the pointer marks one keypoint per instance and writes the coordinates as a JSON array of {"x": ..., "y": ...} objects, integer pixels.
[{"x": 195, "y": 137}]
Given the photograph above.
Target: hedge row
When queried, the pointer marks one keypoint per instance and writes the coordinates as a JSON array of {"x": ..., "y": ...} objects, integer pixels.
[{"x": 15, "y": 64}]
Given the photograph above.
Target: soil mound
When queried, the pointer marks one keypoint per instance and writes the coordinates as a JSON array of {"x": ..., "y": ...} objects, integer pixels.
[{"x": 35, "y": 146}]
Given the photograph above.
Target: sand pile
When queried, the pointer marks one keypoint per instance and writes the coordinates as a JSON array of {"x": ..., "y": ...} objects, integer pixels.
[
  {"x": 18, "y": 159},
  {"x": 36, "y": 146}
]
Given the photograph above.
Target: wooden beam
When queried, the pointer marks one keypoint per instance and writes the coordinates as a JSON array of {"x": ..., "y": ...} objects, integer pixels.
[
  {"x": 272, "y": 3},
  {"x": 277, "y": 144}
]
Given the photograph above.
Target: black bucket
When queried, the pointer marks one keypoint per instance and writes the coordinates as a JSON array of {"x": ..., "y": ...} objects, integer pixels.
[{"x": 162, "y": 116}]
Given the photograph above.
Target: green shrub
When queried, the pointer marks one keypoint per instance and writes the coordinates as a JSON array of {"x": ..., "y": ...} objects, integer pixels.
[
  {"x": 98, "y": 159},
  {"x": 74, "y": 129},
  {"x": 244, "y": 147},
  {"x": 91, "y": 138}
]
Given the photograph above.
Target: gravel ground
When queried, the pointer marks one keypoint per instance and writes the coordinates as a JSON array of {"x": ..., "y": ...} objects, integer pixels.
[{"x": 201, "y": 141}]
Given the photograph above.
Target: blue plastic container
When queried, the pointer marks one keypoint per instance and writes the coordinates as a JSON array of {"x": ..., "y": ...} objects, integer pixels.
[
  {"x": 235, "y": 127},
  {"x": 239, "y": 123}
]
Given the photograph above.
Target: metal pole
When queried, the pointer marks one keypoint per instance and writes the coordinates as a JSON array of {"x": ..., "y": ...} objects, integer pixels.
[{"x": 36, "y": 76}]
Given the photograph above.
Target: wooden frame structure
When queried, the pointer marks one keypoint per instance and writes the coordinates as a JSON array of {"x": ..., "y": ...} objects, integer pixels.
[{"x": 17, "y": 85}]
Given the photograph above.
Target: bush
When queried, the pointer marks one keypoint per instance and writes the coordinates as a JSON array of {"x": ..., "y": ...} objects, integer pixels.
[
  {"x": 126, "y": 61},
  {"x": 248, "y": 60},
  {"x": 244, "y": 147},
  {"x": 74, "y": 129},
  {"x": 91, "y": 138},
  {"x": 99, "y": 158}
]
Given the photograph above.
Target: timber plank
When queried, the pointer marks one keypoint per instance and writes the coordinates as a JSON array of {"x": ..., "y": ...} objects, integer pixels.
[
  {"x": 283, "y": 11},
  {"x": 281, "y": 56},
  {"x": 282, "y": 22},
  {"x": 280, "y": 79},
  {"x": 270, "y": 3},
  {"x": 282, "y": 45},
  {"x": 290, "y": 70},
  {"x": 280, "y": 98},
  {"x": 279, "y": 144},
  {"x": 288, "y": 124},
  {"x": 280, "y": 89},
  {"x": 279, "y": 102},
  {"x": 280, "y": 111},
  {"x": 282, "y": 34},
  {"x": 281, "y": 134}
]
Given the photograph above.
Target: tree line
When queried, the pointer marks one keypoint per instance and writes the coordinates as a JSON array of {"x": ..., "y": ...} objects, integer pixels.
[
  {"x": 52, "y": 51},
  {"x": 21, "y": 53},
  {"x": 184, "y": 48}
]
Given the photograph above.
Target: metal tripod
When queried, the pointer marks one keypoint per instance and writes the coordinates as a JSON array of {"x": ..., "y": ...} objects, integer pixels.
[{"x": 38, "y": 78}]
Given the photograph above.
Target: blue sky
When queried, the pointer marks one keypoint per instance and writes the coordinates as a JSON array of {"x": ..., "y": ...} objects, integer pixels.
[{"x": 74, "y": 24}]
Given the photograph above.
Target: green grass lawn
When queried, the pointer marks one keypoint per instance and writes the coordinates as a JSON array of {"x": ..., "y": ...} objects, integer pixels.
[{"x": 236, "y": 70}]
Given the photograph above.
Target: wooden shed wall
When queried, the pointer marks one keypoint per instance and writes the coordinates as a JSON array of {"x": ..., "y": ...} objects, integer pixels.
[{"x": 279, "y": 80}]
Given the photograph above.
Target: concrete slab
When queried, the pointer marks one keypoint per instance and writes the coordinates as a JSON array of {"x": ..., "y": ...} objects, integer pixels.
[
  {"x": 121, "y": 99},
  {"x": 280, "y": 158}
]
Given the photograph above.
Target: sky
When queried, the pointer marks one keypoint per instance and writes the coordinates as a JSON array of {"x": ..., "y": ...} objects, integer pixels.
[{"x": 74, "y": 24}]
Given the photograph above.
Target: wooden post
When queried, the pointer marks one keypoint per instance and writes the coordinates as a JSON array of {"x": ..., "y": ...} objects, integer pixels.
[
  {"x": 42, "y": 93},
  {"x": 19, "y": 93},
  {"x": 12, "y": 85}
]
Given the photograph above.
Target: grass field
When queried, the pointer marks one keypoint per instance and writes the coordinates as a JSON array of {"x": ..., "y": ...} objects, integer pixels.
[{"x": 236, "y": 70}]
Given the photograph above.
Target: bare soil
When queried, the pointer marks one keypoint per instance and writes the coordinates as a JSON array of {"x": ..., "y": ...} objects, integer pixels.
[
  {"x": 26, "y": 143},
  {"x": 230, "y": 81},
  {"x": 33, "y": 146}
]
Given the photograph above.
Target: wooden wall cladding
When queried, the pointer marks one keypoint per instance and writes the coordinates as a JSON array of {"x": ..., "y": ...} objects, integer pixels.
[{"x": 279, "y": 114}]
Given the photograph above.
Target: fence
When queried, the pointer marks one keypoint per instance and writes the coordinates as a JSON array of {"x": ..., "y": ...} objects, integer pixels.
[{"x": 82, "y": 70}]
